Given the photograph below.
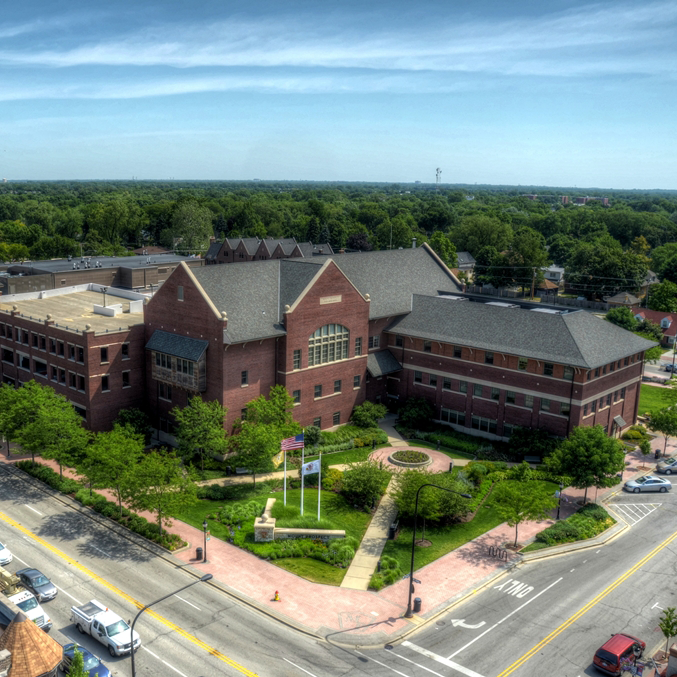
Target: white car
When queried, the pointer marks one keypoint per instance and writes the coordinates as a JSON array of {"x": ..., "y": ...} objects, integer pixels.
[{"x": 5, "y": 554}]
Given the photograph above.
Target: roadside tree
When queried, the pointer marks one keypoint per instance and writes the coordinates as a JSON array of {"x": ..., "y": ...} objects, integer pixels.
[
  {"x": 589, "y": 458},
  {"x": 664, "y": 421},
  {"x": 517, "y": 502},
  {"x": 199, "y": 429},
  {"x": 77, "y": 666},
  {"x": 668, "y": 625}
]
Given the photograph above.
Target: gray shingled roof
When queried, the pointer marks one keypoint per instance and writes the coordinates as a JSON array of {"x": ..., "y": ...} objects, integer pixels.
[
  {"x": 579, "y": 339},
  {"x": 309, "y": 249},
  {"x": 464, "y": 258},
  {"x": 382, "y": 362},
  {"x": 213, "y": 250},
  {"x": 294, "y": 278},
  {"x": 179, "y": 346}
]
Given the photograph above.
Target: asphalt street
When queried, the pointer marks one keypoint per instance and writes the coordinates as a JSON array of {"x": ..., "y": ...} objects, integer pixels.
[{"x": 545, "y": 617}]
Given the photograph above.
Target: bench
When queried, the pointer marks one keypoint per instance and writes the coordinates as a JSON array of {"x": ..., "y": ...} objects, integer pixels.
[
  {"x": 243, "y": 471},
  {"x": 532, "y": 459}
]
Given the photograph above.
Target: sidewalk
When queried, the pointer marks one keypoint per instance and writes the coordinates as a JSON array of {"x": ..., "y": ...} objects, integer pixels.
[{"x": 360, "y": 617}]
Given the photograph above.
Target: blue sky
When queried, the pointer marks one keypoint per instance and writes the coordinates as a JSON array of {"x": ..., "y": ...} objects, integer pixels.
[{"x": 523, "y": 92}]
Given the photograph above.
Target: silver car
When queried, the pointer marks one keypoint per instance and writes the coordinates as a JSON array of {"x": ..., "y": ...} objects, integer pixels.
[
  {"x": 38, "y": 584},
  {"x": 5, "y": 554},
  {"x": 648, "y": 483},
  {"x": 668, "y": 466}
]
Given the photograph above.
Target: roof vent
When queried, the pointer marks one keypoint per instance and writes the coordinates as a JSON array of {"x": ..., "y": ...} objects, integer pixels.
[{"x": 367, "y": 297}]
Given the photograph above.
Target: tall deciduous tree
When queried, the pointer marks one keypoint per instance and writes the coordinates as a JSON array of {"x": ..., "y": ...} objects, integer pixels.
[
  {"x": 517, "y": 502},
  {"x": 199, "y": 428},
  {"x": 622, "y": 317},
  {"x": 444, "y": 248},
  {"x": 589, "y": 457},
  {"x": 112, "y": 459},
  {"x": 663, "y": 297},
  {"x": 664, "y": 421},
  {"x": 160, "y": 486},
  {"x": 192, "y": 224}
]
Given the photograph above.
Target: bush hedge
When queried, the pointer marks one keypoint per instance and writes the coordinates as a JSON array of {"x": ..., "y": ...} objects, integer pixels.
[
  {"x": 587, "y": 522},
  {"x": 390, "y": 573},
  {"x": 136, "y": 523},
  {"x": 450, "y": 439}
]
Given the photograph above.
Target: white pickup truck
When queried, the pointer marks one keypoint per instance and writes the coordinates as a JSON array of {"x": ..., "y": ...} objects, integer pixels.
[{"x": 106, "y": 626}]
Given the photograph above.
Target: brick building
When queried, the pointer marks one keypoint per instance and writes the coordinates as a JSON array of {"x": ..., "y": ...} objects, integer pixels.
[
  {"x": 61, "y": 338},
  {"x": 240, "y": 250}
]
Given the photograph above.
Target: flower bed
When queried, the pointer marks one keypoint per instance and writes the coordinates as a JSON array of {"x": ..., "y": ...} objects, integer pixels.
[{"x": 408, "y": 458}]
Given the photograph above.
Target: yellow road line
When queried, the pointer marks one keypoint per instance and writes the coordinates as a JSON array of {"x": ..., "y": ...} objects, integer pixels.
[
  {"x": 584, "y": 609},
  {"x": 139, "y": 605}
]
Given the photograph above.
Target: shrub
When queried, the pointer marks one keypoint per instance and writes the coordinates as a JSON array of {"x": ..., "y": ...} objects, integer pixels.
[
  {"x": 433, "y": 505},
  {"x": 417, "y": 413},
  {"x": 333, "y": 480},
  {"x": 367, "y": 415},
  {"x": 476, "y": 472},
  {"x": 411, "y": 456},
  {"x": 587, "y": 522},
  {"x": 364, "y": 483},
  {"x": 522, "y": 472},
  {"x": 376, "y": 582}
]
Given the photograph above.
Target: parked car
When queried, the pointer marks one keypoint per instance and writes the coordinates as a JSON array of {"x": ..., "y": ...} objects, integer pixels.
[
  {"x": 614, "y": 655},
  {"x": 5, "y": 554},
  {"x": 668, "y": 466},
  {"x": 670, "y": 367},
  {"x": 38, "y": 584},
  {"x": 648, "y": 483},
  {"x": 93, "y": 666}
]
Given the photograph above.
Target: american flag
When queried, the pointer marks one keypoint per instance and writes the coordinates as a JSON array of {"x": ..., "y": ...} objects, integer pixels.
[{"x": 292, "y": 443}]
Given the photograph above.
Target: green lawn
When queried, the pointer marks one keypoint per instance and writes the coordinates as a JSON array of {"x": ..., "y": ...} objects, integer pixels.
[
  {"x": 652, "y": 398},
  {"x": 348, "y": 456},
  {"x": 444, "y": 539},
  {"x": 313, "y": 570}
]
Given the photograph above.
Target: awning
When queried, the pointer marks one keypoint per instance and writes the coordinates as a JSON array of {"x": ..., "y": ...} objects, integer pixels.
[
  {"x": 381, "y": 363},
  {"x": 618, "y": 420},
  {"x": 177, "y": 346}
]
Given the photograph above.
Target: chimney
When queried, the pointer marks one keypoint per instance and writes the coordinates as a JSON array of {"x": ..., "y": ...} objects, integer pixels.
[{"x": 413, "y": 243}]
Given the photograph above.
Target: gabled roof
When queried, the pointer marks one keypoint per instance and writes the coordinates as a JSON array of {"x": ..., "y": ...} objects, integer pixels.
[
  {"x": 213, "y": 250},
  {"x": 658, "y": 316},
  {"x": 34, "y": 652},
  {"x": 309, "y": 249},
  {"x": 623, "y": 297},
  {"x": 177, "y": 345},
  {"x": 465, "y": 258},
  {"x": 382, "y": 363},
  {"x": 579, "y": 339},
  {"x": 251, "y": 244}
]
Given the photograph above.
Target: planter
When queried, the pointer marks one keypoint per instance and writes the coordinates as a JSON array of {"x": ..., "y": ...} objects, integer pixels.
[{"x": 425, "y": 459}]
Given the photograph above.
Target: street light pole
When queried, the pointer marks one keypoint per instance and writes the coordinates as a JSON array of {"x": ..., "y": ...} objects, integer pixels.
[
  {"x": 409, "y": 613},
  {"x": 205, "y": 578},
  {"x": 204, "y": 530}
]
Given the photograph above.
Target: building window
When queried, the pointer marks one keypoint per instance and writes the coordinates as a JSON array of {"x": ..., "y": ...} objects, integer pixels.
[
  {"x": 529, "y": 401},
  {"x": 35, "y": 340},
  {"x": 569, "y": 373},
  {"x": 608, "y": 400},
  {"x": 486, "y": 424},
  {"x": 593, "y": 406},
  {"x": 244, "y": 378},
  {"x": 61, "y": 348},
  {"x": 622, "y": 393},
  {"x": 62, "y": 376},
  {"x": 337, "y": 386},
  {"x": 297, "y": 396},
  {"x": 125, "y": 379},
  {"x": 357, "y": 380},
  {"x": 477, "y": 390},
  {"x": 612, "y": 366},
  {"x": 24, "y": 362},
  {"x": 433, "y": 380},
  {"x": 104, "y": 354},
  {"x": 328, "y": 344},
  {"x": 589, "y": 374},
  {"x": 457, "y": 351},
  {"x": 495, "y": 393},
  {"x": 72, "y": 380},
  {"x": 358, "y": 346},
  {"x": 625, "y": 361},
  {"x": 317, "y": 422},
  {"x": 508, "y": 429},
  {"x": 488, "y": 358},
  {"x": 81, "y": 354},
  {"x": 71, "y": 352},
  {"x": 565, "y": 408},
  {"x": 399, "y": 341},
  {"x": 125, "y": 351},
  {"x": 601, "y": 402},
  {"x": 446, "y": 383},
  {"x": 462, "y": 386},
  {"x": 597, "y": 372},
  {"x": 165, "y": 392},
  {"x": 43, "y": 343},
  {"x": 418, "y": 377},
  {"x": 545, "y": 404},
  {"x": 104, "y": 384},
  {"x": 619, "y": 364},
  {"x": 179, "y": 293},
  {"x": 616, "y": 396},
  {"x": 7, "y": 356},
  {"x": 451, "y": 416},
  {"x": 40, "y": 367},
  {"x": 374, "y": 342},
  {"x": 522, "y": 363},
  {"x": 81, "y": 411},
  {"x": 81, "y": 383},
  {"x": 548, "y": 369},
  {"x": 585, "y": 410},
  {"x": 318, "y": 391},
  {"x": 604, "y": 369},
  {"x": 336, "y": 418},
  {"x": 52, "y": 346},
  {"x": 427, "y": 346},
  {"x": 2, "y": 329},
  {"x": 243, "y": 414},
  {"x": 297, "y": 359},
  {"x": 55, "y": 374}
]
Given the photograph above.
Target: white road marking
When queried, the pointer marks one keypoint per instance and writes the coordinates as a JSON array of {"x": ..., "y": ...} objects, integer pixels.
[
  {"x": 165, "y": 662},
  {"x": 418, "y": 664},
  {"x": 33, "y": 509},
  {"x": 460, "y": 623},
  {"x": 20, "y": 560},
  {"x": 632, "y": 513},
  {"x": 397, "y": 672},
  {"x": 187, "y": 602},
  {"x": 374, "y": 613},
  {"x": 77, "y": 601},
  {"x": 101, "y": 551},
  {"x": 572, "y": 571},
  {"x": 440, "y": 659},
  {"x": 655, "y": 605},
  {"x": 298, "y": 667},
  {"x": 505, "y": 618}
]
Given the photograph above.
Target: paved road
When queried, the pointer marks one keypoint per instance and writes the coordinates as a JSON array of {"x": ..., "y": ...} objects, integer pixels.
[{"x": 543, "y": 618}]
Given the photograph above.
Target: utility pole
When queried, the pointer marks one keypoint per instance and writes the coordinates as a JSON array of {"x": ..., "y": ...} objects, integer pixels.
[{"x": 438, "y": 177}]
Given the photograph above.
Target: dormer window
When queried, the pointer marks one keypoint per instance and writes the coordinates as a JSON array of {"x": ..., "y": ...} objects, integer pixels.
[{"x": 665, "y": 323}]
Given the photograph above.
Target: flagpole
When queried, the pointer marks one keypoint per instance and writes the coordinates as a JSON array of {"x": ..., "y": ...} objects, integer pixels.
[
  {"x": 285, "y": 477},
  {"x": 302, "y": 462},
  {"x": 319, "y": 487}
]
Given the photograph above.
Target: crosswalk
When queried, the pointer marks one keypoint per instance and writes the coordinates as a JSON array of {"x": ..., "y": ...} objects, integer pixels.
[{"x": 632, "y": 513}]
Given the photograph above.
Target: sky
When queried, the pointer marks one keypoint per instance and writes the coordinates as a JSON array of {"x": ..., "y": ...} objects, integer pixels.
[{"x": 558, "y": 93}]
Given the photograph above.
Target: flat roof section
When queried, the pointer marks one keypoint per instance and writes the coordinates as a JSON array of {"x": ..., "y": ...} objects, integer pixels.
[
  {"x": 74, "y": 311},
  {"x": 64, "y": 265}
]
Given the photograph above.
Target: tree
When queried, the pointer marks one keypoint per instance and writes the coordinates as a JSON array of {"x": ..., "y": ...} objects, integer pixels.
[
  {"x": 444, "y": 248},
  {"x": 652, "y": 354},
  {"x": 367, "y": 414},
  {"x": 312, "y": 435},
  {"x": 77, "y": 666},
  {"x": 622, "y": 317},
  {"x": 359, "y": 241},
  {"x": 416, "y": 413},
  {"x": 192, "y": 225},
  {"x": 199, "y": 429},
  {"x": 663, "y": 297},
  {"x": 137, "y": 421},
  {"x": 589, "y": 458},
  {"x": 112, "y": 460},
  {"x": 8, "y": 397},
  {"x": 664, "y": 421},
  {"x": 159, "y": 485},
  {"x": 527, "y": 256},
  {"x": 650, "y": 330},
  {"x": 479, "y": 230},
  {"x": 516, "y": 502},
  {"x": 365, "y": 482},
  {"x": 668, "y": 625}
]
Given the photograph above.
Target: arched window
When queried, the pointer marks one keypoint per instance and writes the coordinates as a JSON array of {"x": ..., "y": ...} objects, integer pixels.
[{"x": 328, "y": 344}]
